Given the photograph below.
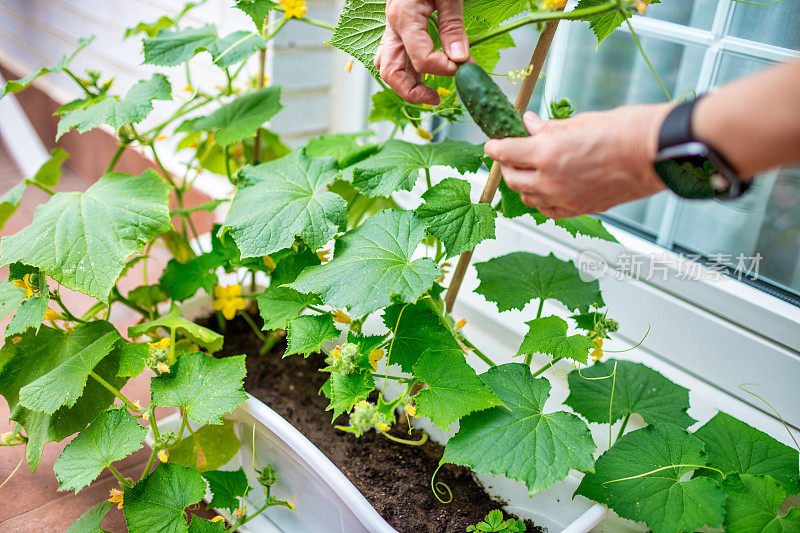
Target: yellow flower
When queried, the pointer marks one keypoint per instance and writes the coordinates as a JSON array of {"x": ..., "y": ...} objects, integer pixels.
[
  {"x": 162, "y": 344},
  {"x": 427, "y": 106},
  {"x": 349, "y": 67},
  {"x": 146, "y": 416},
  {"x": 461, "y": 323},
  {"x": 218, "y": 519},
  {"x": 228, "y": 300},
  {"x": 324, "y": 255},
  {"x": 411, "y": 409},
  {"x": 641, "y": 7},
  {"x": 25, "y": 283},
  {"x": 444, "y": 93},
  {"x": 425, "y": 134},
  {"x": 294, "y": 8},
  {"x": 51, "y": 315},
  {"x": 116, "y": 497},
  {"x": 362, "y": 402},
  {"x": 270, "y": 262},
  {"x": 137, "y": 405},
  {"x": 239, "y": 512},
  {"x": 337, "y": 353},
  {"x": 375, "y": 356},
  {"x": 163, "y": 455},
  {"x": 4, "y": 437},
  {"x": 161, "y": 137},
  {"x": 189, "y": 89},
  {"x": 597, "y": 353},
  {"x": 341, "y": 317},
  {"x": 554, "y": 4},
  {"x": 162, "y": 367},
  {"x": 383, "y": 426}
]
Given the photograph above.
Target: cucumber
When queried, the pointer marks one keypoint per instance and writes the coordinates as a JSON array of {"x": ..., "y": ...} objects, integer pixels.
[{"x": 486, "y": 103}]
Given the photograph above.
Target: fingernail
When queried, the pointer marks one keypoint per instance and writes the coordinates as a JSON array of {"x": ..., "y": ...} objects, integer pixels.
[{"x": 458, "y": 51}]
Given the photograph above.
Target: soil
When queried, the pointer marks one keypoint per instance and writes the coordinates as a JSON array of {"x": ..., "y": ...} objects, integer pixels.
[{"x": 394, "y": 477}]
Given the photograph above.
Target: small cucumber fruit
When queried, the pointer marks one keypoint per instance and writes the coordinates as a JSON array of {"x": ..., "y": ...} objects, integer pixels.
[{"x": 486, "y": 103}]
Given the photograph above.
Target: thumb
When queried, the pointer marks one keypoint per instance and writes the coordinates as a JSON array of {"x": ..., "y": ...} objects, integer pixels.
[
  {"x": 451, "y": 29},
  {"x": 533, "y": 123}
]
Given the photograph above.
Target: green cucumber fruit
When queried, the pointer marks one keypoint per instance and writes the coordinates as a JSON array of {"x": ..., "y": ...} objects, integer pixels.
[{"x": 486, "y": 103}]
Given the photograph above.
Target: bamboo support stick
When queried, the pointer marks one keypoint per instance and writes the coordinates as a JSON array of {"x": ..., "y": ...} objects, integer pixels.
[{"x": 490, "y": 189}]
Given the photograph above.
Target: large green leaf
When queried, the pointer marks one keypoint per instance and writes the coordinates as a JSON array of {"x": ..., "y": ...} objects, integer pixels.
[
  {"x": 346, "y": 390},
  {"x": 637, "y": 389},
  {"x": 235, "y": 47},
  {"x": 64, "y": 384},
  {"x": 10, "y": 297},
  {"x": 209, "y": 448},
  {"x": 347, "y": 148},
  {"x": 158, "y": 502},
  {"x": 257, "y": 10},
  {"x": 512, "y": 207},
  {"x": 204, "y": 337},
  {"x": 660, "y": 497},
  {"x": 170, "y": 48},
  {"x": 82, "y": 240},
  {"x": 279, "y": 305},
  {"x": 133, "y": 108},
  {"x": 753, "y": 503},
  {"x": 111, "y": 437},
  {"x": 89, "y": 522},
  {"x": 513, "y": 280},
  {"x": 397, "y": 166},
  {"x": 549, "y": 336},
  {"x": 451, "y": 217},
  {"x": 604, "y": 24},
  {"x": 738, "y": 448},
  {"x": 15, "y": 86},
  {"x": 360, "y": 29},
  {"x": 49, "y": 174},
  {"x": 454, "y": 389},
  {"x": 34, "y": 356},
  {"x": 518, "y": 439},
  {"x": 371, "y": 264},
  {"x": 386, "y": 105},
  {"x": 9, "y": 202},
  {"x": 201, "y": 525},
  {"x": 183, "y": 279},
  {"x": 306, "y": 334},
  {"x": 493, "y": 12},
  {"x": 284, "y": 199},
  {"x": 416, "y": 330},
  {"x": 227, "y": 487},
  {"x": 203, "y": 386},
  {"x": 240, "y": 118}
]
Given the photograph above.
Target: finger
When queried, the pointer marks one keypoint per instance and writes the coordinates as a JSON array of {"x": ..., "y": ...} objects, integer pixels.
[
  {"x": 533, "y": 123},
  {"x": 557, "y": 212},
  {"x": 523, "y": 181},
  {"x": 400, "y": 75},
  {"x": 379, "y": 51},
  {"x": 411, "y": 25},
  {"x": 514, "y": 151},
  {"x": 451, "y": 29}
]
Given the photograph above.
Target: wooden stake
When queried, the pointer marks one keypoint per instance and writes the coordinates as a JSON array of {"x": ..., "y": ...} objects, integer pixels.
[{"x": 490, "y": 189}]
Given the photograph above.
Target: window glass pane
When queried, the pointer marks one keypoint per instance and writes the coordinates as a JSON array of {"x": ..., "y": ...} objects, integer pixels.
[
  {"x": 778, "y": 24},
  {"x": 698, "y": 14}
]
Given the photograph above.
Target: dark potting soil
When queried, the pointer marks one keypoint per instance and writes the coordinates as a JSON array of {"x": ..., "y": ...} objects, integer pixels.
[{"x": 394, "y": 477}]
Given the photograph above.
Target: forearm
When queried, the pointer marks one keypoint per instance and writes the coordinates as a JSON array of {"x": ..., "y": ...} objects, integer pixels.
[{"x": 754, "y": 122}]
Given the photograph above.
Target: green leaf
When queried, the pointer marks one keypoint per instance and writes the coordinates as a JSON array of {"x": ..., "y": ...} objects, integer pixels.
[
  {"x": 279, "y": 305},
  {"x": 209, "y": 448},
  {"x": 637, "y": 389},
  {"x": 15, "y": 86},
  {"x": 284, "y": 199},
  {"x": 204, "y": 387},
  {"x": 549, "y": 336},
  {"x": 10, "y": 297},
  {"x": 82, "y": 240},
  {"x": 227, "y": 487},
  {"x": 240, "y": 118},
  {"x": 49, "y": 173},
  {"x": 371, "y": 264},
  {"x": 64, "y": 384},
  {"x": 397, "y": 166},
  {"x": 493, "y": 12},
  {"x": 150, "y": 29},
  {"x": 9, "y": 202},
  {"x": 133, "y": 108},
  {"x": 201, "y": 525},
  {"x": 204, "y": 337},
  {"x": 346, "y": 390},
  {"x": 170, "y": 48},
  {"x": 34, "y": 356},
  {"x": 31, "y": 312},
  {"x": 451, "y": 217},
  {"x": 604, "y": 24},
  {"x": 660, "y": 498},
  {"x": 235, "y": 47},
  {"x": 416, "y": 330},
  {"x": 89, "y": 522},
  {"x": 111, "y": 437},
  {"x": 518, "y": 440},
  {"x": 158, "y": 502},
  {"x": 257, "y": 10},
  {"x": 512, "y": 207},
  {"x": 148, "y": 295},
  {"x": 513, "y": 280},
  {"x": 292, "y": 263},
  {"x": 386, "y": 105},
  {"x": 183, "y": 280},
  {"x": 738, "y": 448},
  {"x": 360, "y": 29},
  {"x": 454, "y": 389},
  {"x": 132, "y": 358},
  {"x": 347, "y": 148},
  {"x": 753, "y": 506},
  {"x": 306, "y": 334}
]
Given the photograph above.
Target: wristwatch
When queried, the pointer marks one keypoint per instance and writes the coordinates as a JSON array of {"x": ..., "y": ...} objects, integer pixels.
[{"x": 690, "y": 167}]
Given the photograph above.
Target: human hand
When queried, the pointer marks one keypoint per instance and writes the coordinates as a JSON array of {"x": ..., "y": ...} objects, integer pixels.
[
  {"x": 406, "y": 50},
  {"x": 584, "y": 164}
]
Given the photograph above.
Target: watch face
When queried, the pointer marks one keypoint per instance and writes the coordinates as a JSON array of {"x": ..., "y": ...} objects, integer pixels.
[{"x": 692, "y": 175}]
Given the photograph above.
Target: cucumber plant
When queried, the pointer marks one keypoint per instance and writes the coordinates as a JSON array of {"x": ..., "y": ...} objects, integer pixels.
[{"x": 319, "y": 223}]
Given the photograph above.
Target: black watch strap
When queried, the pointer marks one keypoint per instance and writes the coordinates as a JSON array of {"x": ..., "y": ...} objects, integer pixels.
[{"x": 677, "y": 127}]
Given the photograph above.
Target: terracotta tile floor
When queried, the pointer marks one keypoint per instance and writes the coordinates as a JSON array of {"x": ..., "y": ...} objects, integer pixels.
[{"x": 30, "y": 502}]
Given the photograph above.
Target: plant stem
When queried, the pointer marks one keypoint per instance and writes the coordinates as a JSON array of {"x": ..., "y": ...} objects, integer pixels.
[
  {"x": 77, "y": 80},
  {"x": 124, "y": 301},
  {"x": 389, "y": 376},
  {"x": 115, "y": 391},
  {"x": 67, "y": 313},
  {"x": 272, "y": 339},
  {"x": 120, "y": 148},
  {"x": 428, "y": 177},
  {"x": 254, "y": 327},
  {"x": 644, "y": 56},
  {"x": 622, "y": 427},
  {"x": 122, "y": 481},
  {"x": 41, "y": 186},
  {"x": 308, "y": 20},
  {"x": 546, "y": 16},
  {"x": 479, "y": 353},
  {"x": 529, "y": 356},
  {"x": 545, "y": 367}
]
